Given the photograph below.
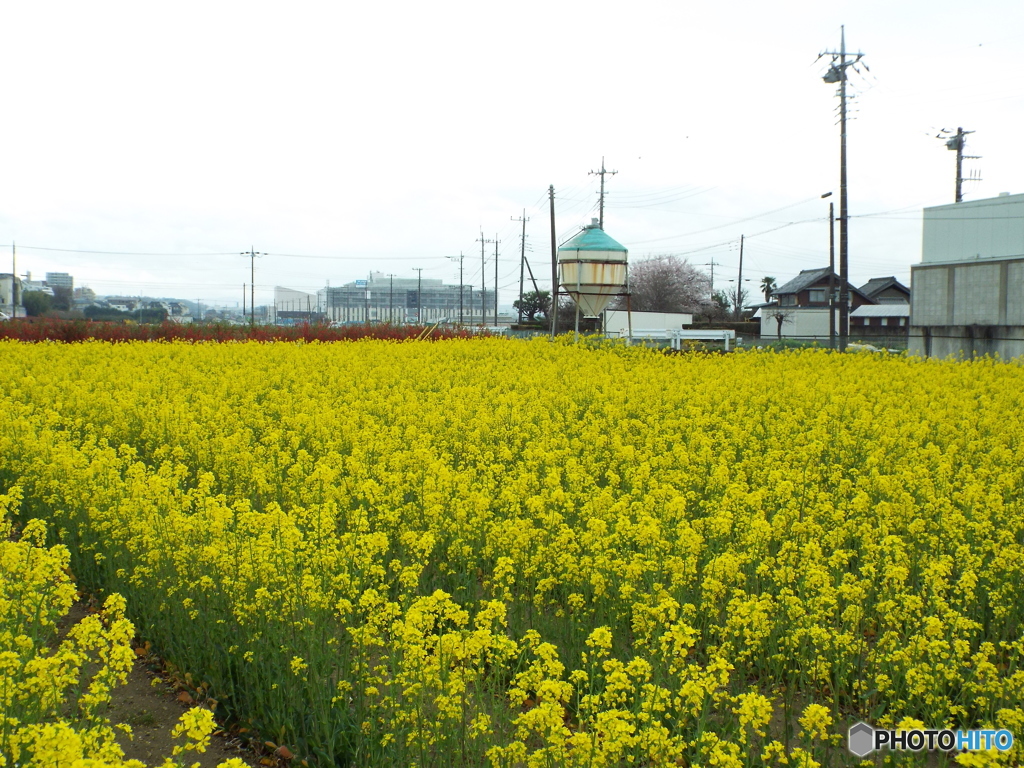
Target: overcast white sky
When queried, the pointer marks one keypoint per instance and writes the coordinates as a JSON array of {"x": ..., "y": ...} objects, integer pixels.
[{"x": 343, "y": 137}]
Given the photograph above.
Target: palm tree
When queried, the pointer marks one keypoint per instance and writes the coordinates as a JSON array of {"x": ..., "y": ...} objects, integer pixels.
[{"x": 767, "y": 287}]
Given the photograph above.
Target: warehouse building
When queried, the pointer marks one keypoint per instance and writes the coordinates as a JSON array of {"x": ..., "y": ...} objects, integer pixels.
[{"x": 968, "y": 290}]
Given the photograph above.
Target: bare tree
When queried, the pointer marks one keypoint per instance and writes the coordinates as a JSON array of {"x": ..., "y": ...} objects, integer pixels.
[
  {"x": 668, "y": 284},
  {"x": 780, "y": 316}
]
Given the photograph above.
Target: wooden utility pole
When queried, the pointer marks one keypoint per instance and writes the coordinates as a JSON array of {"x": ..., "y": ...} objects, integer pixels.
[
  {"x": 553, "y": 312},
  {"x": 391, "y": 299},
  {"x": 601, "y": 173}
]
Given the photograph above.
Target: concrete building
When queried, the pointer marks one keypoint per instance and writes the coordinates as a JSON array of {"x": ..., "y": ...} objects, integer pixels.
[
  {"x": 60, "y": 280},
  {"x": 968, "y": 290},
  {"x": 382, "y": 298}
]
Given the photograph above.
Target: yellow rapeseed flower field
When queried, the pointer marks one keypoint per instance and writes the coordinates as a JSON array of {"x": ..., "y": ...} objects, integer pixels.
[{"x": 472, "y": 553}]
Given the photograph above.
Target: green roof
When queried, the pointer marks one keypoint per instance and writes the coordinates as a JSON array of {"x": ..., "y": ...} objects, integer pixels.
[{"x": 592, "y": 239}]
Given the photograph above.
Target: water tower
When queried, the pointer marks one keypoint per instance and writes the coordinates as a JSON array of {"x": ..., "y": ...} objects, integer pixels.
[{"x": 592, "y": 270}]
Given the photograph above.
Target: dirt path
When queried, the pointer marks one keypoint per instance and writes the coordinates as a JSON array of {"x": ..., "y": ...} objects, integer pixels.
[{"x": 152, "y": 713}]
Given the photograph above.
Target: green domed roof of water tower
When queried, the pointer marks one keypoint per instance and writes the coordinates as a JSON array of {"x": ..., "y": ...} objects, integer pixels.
[{"x": 592, "y": 238}]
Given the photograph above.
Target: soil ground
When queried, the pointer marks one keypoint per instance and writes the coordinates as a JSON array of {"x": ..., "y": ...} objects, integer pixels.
[{"x": 152, "y": 712}]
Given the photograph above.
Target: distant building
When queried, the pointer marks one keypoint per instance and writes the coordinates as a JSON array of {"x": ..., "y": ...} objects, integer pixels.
[
  {"x": 886, "y": 290},
  {"x": 292, "y": 304},
  {"x": 123, "y": 303},
  {"x": 10, "y": 296},
  {"x": 28, "y": 284},
  {"x": 60, "y": 280},
  {"x": 83, "y": 297},
  {"x": 382, "y": 298},
  {"x": 968, "y": 290},
  {"x": 874, "y": 320},
  {"x": 801, "y": 307}
]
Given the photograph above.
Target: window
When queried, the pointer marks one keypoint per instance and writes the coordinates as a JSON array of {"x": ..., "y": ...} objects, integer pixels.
[
  {"x": 787, "y": 300},
  {"x": 816, "y": 296}
]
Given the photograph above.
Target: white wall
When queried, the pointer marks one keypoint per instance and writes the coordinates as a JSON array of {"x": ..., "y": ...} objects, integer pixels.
[
  {"x": 616, "y": 322},
  {"x": 289, "y": 300},
  {"x": 979, "y": 229},
  {"x": 801, "y": 323}
]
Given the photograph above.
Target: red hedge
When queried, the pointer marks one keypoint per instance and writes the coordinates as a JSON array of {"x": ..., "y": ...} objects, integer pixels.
[{"x": 52, "y": 329}]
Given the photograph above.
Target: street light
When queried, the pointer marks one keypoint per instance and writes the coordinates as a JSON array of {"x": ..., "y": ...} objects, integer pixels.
[{"x": 831, "y": 273}]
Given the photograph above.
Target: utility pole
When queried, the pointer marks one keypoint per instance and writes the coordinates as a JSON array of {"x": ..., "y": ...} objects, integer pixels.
[
  {"x": 554, "y": 264},
  {"x": 391, "y": 299},
  {"x": 837, "y": 74},
  {"x": 831, "y": 274},
  {"x": 252, "y": 254},
  {"x": 483, "y": 280},
  {"x": 522, "y": 262},
  {"x": 419, "y": 295},
  {"x": 712, "y": 264},
  {"x": 601, "y": 173},
  {"x": 957, "y": 142},
  {"x": 14, "y": 279},
  {"x": 496, "y": 241},
  {"x": 460, "y": 258},
  {"x": 739, "y": 284}
]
